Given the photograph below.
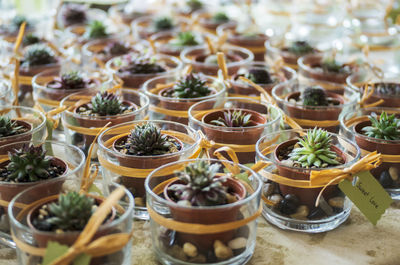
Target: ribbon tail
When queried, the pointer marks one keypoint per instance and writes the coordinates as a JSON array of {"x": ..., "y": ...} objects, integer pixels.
[{"x": 327, "y": 185}]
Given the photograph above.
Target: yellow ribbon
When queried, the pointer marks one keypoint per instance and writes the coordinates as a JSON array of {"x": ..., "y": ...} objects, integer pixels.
[
  {"x": 385, "y": 158},
  {"x": 329, "y": 176},
  {"x": 50, "y": 114},
  {"x": 368, "y": 92}
]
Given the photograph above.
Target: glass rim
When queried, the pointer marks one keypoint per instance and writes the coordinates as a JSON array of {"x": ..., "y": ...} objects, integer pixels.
[{"x": 28, "y": 111}]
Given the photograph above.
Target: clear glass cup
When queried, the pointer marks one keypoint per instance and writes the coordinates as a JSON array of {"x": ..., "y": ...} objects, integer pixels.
[
  {"x": 114, "y": 163},
  {"x": 164, "y": 42},
  {"x": 242, "y": 140},
  {"x": 351, "y": 124},
  {"x": 142, "y": 28},
  {"x": 177, "y": 107},
  {"x": 333, "y": 209},
  {"x": 91, "y": 14},
  {"x": 167, "y": 242},
  {"x": 287, "y": 97},
  {"x": 6, "y": 94}
]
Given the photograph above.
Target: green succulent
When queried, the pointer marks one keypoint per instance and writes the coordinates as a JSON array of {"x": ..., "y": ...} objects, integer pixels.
[
  {"x": 29, "y": 164},
  {"x": 38, "y": 54},
  {"x": 194, "y": 4},
  {"x": 17, "y": 22},
  {"x": 220, "y": 18},
  {"x": 71, "y": 212},
  {"x": 314, "y": 150},
  {"x": 190, "y": 86},
  {"x": 199, "y": 185},
  {"x": 142, "y": 65},
  {"x": 315, "y": 96},
  {"x": 235, "y": 118},
  {"x": 72, "y": 80},
  {"x": 386, "y": 127},
  {"x": 300, "y": 48},
  {"x": 331, "y": 65},
  {"x": 186, "y": 38},
  {"x": 106, "y": 104},
  {"x": 147, "y": 140},
  {"x": 9, "y": 127},
  {"x": 30, "y": 39},
  {"x": 259, "y": 76},
  {"x": 96, "y": 29},
  {"x": 163, "y": 23}
]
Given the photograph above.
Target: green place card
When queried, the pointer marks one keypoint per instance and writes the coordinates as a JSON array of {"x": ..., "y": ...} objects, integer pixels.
[
  {"x": 368, "y": 195},
  {"x": 55, "y": 250}
]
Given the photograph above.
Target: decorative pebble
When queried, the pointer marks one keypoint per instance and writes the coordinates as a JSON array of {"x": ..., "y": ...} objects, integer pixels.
[
  {"x": 190, "y": 250},
  {"x": 237, "y": 243},
  {"x": 268, "y": 189},
  {"x": 177, "y": 252},
  {"x": 287, "y": 163},
  {"x": 394, "y": 173},
  {"x": 221, "y": 251},
  {"x": 184, "y": 203},
  {"x": 198, "y": 259},
  {"x": 337, "y": 202},
  {"x": 316, "y": 213},
  {"x": 385, "y": 179},
  {"x": 289, "y": 204},
  {"x": 231, "y": 198},
  {"x": 275, "y": 198},
  {"x": 293, "y": 198},
  {"x": 139, "y": 202},
  {"x": 301, "y": 213}
]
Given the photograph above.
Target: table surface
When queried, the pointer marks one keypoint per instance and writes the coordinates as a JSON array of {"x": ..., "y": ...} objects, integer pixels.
[{"x": 354, "y": 242}]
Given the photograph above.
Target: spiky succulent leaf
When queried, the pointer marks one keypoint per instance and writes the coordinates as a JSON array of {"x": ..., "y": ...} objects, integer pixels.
[
  {"x": 331, "y": 65},
  {"x": 28, "y": 164},
  {"x": 200, "y": 186},
  {"x": 147, "y": 140},
  {"x": 9, "y": 127},
  {"x": 300, "y": 48},
  {"x": 142, "y": 65},
  {"x": 30, "y": 39},
  {"x": 386, "y": 127},
  {"x": 72, "y": 80},
  {"x": 191, "y": 86},
  {"x": 235, "y": 118},
  {"x": 186, "y": 38},
  {"x": 315, "y": 96},
  {"x": 96, "y": 29},
  {"x": 38, "y": 54},
  {"x": 163, "y": 23},
  {"x": 105, "y": 104},
  {"x": 314, "y": 150},
  {"x": 71, "y": 212},
  {"x": 220, "y": 18}
]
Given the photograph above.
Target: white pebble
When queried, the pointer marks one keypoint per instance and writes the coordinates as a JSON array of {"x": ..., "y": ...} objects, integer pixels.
[{"x": 237, "y": 243}]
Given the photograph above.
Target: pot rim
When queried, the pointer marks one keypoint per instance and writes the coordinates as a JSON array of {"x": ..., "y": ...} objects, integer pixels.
[
  {"x": 33, "y": 130},
  {"x": 163, "y": 57},
  {"x": 351, "y": 98},
  {"x": 173, "y": 204},
  {"x": 69, "y": 171},
  {"x": 340, "y": 139},
  {"x": 145, "y": 102},
  {"x": 277, "y": 49},
  {"x": 184, "y": 149},
  {"x": 150, "y": 18},
  {"x": 145, "y": 88},
  {"x": 202, "y": 48},
  {"x": 202, "y": 124},
  {"x": 119, "y": 31}
]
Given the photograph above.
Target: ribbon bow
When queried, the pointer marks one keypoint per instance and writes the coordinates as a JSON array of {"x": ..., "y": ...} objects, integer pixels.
[
  {"x": 50, "y": 114},
  {"x": 330, "y": 176},
  {"x": 368, "y": 92}
]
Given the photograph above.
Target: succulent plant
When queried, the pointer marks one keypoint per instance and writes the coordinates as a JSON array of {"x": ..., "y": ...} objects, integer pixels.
[
  {"x": 199, "y": 185},
  {"x": 163, "y": 23},
  {"x": 74, "y": 14},
  {"x": 190, "y": 86},
  {"x": 30, "y": 39},
  {"x": 105, "y": 104},
  {"x": 386, "y": 127},
  {"x": 28, "y": 164},
  {"x": 38, "y": 54},
  {"x": 315, "y": 96},
  {"x": 71, "y": 212},
  {"x": 235, "y": 118},
  {"x": 300, "y": 48},
  {"x": 17, "y": 22},
  {"x": 186, "y": 38},
  {"x": 314, "y": 150},
  {"x": 392, "y": 89},
  {"x": 9, "y": 127},
  {"x": 194, "y": 4},
  {"x": 117, "y": 48},
  {"x": 96, "y": 29},
  {"x": 220, "y": 18},
  {"x": 331, "y": 65},
  {"x": 142, "y": 65},
  {"x": 147, "y": 140},
  {"x": 259, "y": 76}
]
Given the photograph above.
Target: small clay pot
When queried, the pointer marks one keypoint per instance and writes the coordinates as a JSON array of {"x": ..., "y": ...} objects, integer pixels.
[
  {"x": 207, "y": 23},
  {"x": 390, "y": 101},
  {"x": 9, "y": 190},
  {"x": 96, "y": 49},
  {"x": 318, "y": 113},
  {"x": 142, "y": 162},
  {"x": 210, "y": 69},
  {"x": 16, "y": 138},
  {"x": 256, "y": 42},
  {"x": 244, "y": 136},
  {"x": 207, "y": 216},
  {"x": 306, "y": 196},
  {"x": 58, "y": 94}
]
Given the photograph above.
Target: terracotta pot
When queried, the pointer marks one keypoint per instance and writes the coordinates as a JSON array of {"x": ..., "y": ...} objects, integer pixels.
[
  {"x": 306, "y": 196},
  {"x": 242, "y": 137},
  {"x": 16, "y": 138},
  {"x": 59, "y": 94},
  {"x": 196, "y": 215},
  {"x": 99, "y": 122},
  {"x": 316, "y": 114},
  {"x": 137, "y": 184},
  {"x": 135, "y": 81},
  {"x": 371, "y": 144},
  {"x": 210, "y": 25},
  {"x": 391, "y": 101},
  {"x": 210, "y": 69},
  {"x": 256, "y": 42},
  {"x": 10, "y": 190},
  {"x": 172, "y": 104}
]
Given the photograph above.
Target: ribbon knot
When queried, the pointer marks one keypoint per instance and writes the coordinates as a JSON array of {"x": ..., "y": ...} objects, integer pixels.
[{"x": 329, "y": 176}]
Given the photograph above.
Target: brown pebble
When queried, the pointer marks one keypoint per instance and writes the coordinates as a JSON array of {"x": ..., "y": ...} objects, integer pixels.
[
  {"x": 198, "y": 259},
  {"x": 139, "y": 202},
  {"x": 301, "y": 213},
  {"x": 394, "y": 173},
  {"x": 337, "y": 202},
  {"x": 190, "y": 250}
]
